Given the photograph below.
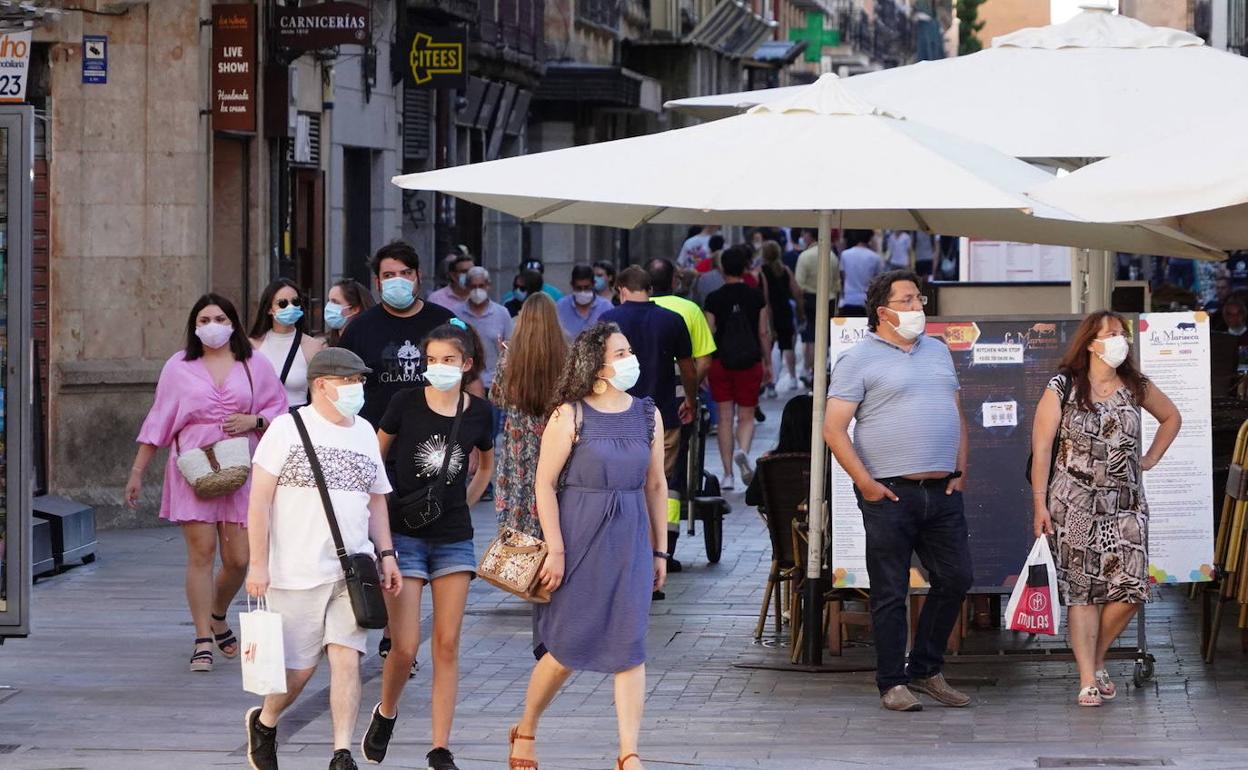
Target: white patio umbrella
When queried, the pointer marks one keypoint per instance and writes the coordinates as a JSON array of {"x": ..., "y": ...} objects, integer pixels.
[
  {"x": 1094, "y": 86},
  {"x": 1195, "y": 183},
  {"x": 862, "y": 166}
]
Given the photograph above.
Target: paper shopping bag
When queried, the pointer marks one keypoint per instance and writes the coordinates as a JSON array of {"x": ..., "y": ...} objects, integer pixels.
[
  {"x": 264, "y": 657},
  {"x": 1033, "y": 603}
]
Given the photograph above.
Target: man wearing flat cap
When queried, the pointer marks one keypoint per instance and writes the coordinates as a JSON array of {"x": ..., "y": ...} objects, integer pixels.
[{"x": 293, "y": 559}]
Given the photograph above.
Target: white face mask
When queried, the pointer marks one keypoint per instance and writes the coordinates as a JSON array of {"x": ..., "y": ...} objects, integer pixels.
[
  {"x": 478, "y": 296},
  {"x": 350, "y": 399},
  {"x": 627, "y": 372},
  {"x": 1116, "y": 350},
  {"x": 583, "y": 298},
  {"x": 910, "y": 323}
]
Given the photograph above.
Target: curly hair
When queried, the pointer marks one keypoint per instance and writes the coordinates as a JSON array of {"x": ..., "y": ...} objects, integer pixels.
[{"x": 584, "y": 360}]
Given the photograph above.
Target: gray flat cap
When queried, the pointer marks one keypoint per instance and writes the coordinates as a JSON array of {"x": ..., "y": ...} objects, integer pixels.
[{"x": 336, "y": 362}]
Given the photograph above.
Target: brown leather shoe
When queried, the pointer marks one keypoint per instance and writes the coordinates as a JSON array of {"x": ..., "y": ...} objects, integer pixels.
[
  {"x": 937, "y": 688},
  {"x": 900, "y": 699}
]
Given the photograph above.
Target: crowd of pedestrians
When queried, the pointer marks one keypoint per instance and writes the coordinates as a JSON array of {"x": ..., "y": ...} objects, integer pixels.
[{"x": 574, "y": 412}]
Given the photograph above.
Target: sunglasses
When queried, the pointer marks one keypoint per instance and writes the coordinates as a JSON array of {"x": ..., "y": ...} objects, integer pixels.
[{"x": 282, "y": 303}]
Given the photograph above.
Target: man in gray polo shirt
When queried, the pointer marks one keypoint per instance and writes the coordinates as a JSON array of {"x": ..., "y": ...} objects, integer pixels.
[{"x": 906, "y": 459}]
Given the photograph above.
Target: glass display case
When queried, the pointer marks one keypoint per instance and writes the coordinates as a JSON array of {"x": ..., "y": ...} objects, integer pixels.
[{"x": 16, "y": 367}]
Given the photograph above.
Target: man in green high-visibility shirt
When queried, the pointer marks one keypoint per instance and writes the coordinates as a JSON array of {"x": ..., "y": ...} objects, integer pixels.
[{"x": 662, "y": 279}]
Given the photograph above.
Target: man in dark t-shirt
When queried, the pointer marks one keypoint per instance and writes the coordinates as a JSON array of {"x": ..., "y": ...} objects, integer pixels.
[
  {"x": 388, "y": 336},
  {"x": 738, "y": 317}
]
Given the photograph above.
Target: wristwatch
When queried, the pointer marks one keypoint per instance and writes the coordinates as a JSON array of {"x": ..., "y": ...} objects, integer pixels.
[
  {"x": 259, "y": 422},
  {"x": 388, "y": 552},
  {"x": 660, "y": 554}
]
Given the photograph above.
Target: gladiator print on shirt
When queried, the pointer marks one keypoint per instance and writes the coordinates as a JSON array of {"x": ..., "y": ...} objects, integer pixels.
[
  {"x": 402, "y": 364},
  {"x": 344, "y": 470}
]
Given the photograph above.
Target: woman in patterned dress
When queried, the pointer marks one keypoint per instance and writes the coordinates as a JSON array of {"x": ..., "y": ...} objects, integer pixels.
[
  {"x": 1093, "y": 507},
  {"x": 524, "y": 386}
]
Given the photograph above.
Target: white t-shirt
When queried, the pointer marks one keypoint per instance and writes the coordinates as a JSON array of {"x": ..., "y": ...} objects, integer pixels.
[
  {"x": 301, "y": 549},
  {"x": 899, "y": 249}
]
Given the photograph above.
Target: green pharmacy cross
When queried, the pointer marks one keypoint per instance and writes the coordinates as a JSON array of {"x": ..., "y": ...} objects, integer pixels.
[{"x": 815, "y": 35}]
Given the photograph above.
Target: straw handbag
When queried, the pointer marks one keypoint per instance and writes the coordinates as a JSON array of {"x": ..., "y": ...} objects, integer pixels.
[
  {"x": 513, "y": 562},
  {"x": 221, "y": 468}
]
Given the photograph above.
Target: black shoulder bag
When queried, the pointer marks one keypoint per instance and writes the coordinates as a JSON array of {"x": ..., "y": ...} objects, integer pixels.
[
  {"x": 1062, "y": 394},
  {"x": 290, "y": 356},
  {"x": 424, "y": 506},
  {"x": 360, "y": 569}
]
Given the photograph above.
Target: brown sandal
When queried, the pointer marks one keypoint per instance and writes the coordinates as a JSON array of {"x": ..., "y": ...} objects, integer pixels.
[
  {"x": 619, "y": 763},
  {"x": 512, "y": 762}
]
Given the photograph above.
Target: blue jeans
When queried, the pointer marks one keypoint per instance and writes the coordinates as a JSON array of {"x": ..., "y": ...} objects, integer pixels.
[{"x": 926, "y": 521}]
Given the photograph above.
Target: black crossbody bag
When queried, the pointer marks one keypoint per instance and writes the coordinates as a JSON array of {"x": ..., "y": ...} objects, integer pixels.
[
  {"x": 360, "y": 569},
  {"x": 424, "y": 506},
  {"x": 1063, "y": 394}
]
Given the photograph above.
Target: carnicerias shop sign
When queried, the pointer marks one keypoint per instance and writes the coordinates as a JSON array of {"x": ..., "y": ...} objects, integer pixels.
[{"x": 321, "y": 26}]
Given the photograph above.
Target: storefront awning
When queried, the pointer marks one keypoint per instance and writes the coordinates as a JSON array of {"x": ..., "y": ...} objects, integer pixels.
[
  {"x": 19, "y": 16},
  {"x": 777, "y": 53},
  {"x": 599, "y": 84},
  {"x": 732, "y": 29}
]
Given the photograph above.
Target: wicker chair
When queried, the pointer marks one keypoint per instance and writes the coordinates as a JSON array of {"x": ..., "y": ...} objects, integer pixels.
[{"x": 785, "y": 482}]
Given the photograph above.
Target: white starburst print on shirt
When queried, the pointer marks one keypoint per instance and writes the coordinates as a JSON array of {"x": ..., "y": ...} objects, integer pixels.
[{"x": 429, "y": 454}]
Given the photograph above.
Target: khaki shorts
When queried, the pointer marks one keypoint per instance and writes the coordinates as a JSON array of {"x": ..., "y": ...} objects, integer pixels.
[
  {"x": 671, "y": 449},
  {"x": 313, "y": 618}
]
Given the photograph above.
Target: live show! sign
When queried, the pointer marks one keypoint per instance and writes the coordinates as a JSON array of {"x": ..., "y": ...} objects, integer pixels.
[
  {"x": 234, "y": 68},
  {"x": 321, "y": 26}
]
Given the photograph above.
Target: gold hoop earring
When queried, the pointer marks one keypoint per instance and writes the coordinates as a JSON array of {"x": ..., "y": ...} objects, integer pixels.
[{"x": 600, "y": 387}]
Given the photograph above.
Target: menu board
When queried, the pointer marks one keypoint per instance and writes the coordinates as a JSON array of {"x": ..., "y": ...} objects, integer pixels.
[{"x": 1174, "y": 354}]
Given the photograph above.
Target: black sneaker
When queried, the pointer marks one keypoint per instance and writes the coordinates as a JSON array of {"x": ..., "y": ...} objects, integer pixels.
[
  {"x": 343, "y": 761},
  {"x": 441, "y": 759},
  {"x": 674, "y": 565},
  {"x": 383, "y": 647},
  {"x": 758, "y": 415},
  {"x": 261, "y": 742},
  {"x": 377, "y": 738}
]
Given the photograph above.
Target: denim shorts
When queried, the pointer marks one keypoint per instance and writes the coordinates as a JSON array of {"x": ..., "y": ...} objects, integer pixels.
[{"x": 429, "y": 561}]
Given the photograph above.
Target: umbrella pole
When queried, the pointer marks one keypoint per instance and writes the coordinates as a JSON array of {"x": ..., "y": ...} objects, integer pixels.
[{"x": 813, "y": 587}]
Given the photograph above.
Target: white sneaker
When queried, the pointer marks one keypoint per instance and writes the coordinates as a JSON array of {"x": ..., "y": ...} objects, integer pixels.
[
  {"x": 743, "y": 464},
  {"x": 727, "y": 484}
]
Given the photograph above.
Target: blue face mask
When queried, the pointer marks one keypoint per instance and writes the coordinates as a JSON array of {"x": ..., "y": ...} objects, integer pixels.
[
  {"x": 398, "y": 293},
  {"x": 288, "y": 315},
  {"x": 520, "y": 294},
  {"x": 334, "y": 318},
  {"x": 600, "y": 283},
  {"x": 462, "y": 280}
]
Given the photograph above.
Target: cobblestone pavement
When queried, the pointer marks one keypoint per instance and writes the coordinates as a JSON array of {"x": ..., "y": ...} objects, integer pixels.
[{"x": 102, "y": 684}]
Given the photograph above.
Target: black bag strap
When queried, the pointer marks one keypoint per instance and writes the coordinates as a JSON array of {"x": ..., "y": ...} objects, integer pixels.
[
  {"x": 450, "y": 441},
  {"x": 290, "y": 355},
  {"x": 324, "y": 490},
  {"x": 577, "y": 421}
]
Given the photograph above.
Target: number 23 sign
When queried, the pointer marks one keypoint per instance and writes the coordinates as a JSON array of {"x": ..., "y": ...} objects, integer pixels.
[{"x": 14, "y": 61}]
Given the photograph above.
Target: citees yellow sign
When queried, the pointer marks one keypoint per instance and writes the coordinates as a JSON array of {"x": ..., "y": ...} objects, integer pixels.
[{"x": 436, "y": 58}]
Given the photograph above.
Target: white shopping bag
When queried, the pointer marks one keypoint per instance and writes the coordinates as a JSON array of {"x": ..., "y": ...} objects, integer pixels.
[
  {"x": 264, "y": 657},
  {"x": 1033, "y": 604}
]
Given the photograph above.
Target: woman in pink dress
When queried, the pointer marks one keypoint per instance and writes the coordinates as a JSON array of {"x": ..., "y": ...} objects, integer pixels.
[{"x": 213, "y": 390}]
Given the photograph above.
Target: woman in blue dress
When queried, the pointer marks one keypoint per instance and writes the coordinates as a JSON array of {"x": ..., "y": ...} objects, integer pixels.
[{"x": 602, "y": 501}]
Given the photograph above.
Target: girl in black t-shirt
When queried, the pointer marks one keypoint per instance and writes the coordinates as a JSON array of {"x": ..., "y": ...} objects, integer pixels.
[{"x": 415, "y": 432}]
